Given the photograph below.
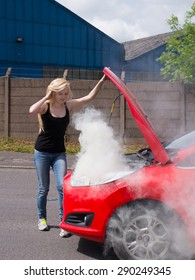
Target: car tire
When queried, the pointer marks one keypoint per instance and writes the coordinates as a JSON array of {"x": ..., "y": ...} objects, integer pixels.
[{"x": 146, "y": 229}]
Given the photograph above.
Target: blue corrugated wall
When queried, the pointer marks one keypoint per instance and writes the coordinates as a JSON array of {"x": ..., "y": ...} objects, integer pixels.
[
  {"x": 146, "y": 62},
  {"x": 53, "y": 35}
]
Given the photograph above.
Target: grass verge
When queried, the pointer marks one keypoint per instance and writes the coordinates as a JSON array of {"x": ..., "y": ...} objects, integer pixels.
[{"x": 24, "y": 146}]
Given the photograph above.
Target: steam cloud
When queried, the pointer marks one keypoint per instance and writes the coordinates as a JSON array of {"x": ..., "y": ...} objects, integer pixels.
[{"x": 100, "y": 158}]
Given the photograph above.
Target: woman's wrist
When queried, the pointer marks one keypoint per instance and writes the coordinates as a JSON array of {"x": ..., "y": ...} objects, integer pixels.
[{"x": 102, "y": 80}]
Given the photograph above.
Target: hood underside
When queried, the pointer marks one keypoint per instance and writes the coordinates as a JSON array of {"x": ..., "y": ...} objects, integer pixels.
[{"x": 140, "y": 118}]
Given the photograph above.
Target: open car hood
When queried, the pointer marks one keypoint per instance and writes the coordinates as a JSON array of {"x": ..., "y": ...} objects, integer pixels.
[{"x": 160, "y": 155}]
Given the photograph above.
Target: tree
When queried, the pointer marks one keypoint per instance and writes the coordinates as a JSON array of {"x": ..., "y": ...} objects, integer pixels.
[{"x": 179, "y": 58}]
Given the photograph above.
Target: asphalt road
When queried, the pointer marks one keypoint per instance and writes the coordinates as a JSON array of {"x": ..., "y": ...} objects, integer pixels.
[{"x": 19, "y": 235}]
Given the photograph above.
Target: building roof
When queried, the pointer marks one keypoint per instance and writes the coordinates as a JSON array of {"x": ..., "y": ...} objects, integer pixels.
[{"x": 141, "y": 46}]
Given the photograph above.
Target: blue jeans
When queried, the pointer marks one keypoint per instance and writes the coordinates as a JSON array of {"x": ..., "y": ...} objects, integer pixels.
[{"x": 43, "y": 161}]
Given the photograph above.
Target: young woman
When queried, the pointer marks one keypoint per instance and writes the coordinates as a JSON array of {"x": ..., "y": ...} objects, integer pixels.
[{"x": 54, "y": 111}]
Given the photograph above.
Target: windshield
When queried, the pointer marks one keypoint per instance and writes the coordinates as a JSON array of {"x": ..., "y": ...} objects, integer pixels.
[{"x": 183, "y": 142}]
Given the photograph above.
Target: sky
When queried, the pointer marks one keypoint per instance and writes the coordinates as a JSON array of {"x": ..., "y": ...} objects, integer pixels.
[{"x": 126, "y": 20}]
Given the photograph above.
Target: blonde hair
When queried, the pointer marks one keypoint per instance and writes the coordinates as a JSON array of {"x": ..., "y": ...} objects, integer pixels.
[{"x": 55, "y": 86}]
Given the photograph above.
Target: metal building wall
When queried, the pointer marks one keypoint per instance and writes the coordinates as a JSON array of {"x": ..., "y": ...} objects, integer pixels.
[
  {"x": 53, "y": 35},
  {"x": 144, "y": 65}
]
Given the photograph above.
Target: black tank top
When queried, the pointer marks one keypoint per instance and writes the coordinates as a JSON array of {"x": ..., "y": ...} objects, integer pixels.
[{"x": 51, "y": 139}]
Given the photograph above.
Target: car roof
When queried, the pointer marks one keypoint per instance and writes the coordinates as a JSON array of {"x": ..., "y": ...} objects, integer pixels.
[{"x": 142, "y": 120}]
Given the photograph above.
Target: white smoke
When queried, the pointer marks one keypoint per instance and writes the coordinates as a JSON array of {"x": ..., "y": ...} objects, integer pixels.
[{"x": 100, "y": 159}]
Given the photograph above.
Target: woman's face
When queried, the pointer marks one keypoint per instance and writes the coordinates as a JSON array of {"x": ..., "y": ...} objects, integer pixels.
[{"x": 61, "y": 96}]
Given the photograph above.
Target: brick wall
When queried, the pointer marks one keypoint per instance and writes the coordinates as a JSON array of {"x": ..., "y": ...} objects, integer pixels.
[
  {"x": 24, "y": 92},
  {"x": 164, "y": 103},
  {"x": 190, "y": 106},
  {"x": 2, "y": 100},
  {"x": 170, "y": 107}
]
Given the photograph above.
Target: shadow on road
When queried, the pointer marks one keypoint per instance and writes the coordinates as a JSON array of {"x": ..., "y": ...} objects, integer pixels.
[{"x": 94, "y": 250}]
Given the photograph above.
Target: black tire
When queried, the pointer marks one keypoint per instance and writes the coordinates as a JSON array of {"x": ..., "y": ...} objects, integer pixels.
[{"x": 146, "y": 229}]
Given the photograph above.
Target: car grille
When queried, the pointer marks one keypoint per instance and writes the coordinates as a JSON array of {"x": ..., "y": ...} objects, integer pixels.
[{"x": 80, "y": 219}]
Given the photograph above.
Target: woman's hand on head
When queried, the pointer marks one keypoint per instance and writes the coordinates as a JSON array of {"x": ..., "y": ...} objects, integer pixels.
[{"x": 49, "y": 94}]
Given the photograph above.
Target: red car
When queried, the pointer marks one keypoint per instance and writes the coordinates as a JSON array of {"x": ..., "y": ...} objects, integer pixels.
[{"x": 148, "y": 213}]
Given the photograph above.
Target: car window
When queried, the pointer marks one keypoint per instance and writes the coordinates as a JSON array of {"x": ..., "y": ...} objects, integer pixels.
[
  {"x": 183, "y": 142},
  {"x": 188, "y": 162}
]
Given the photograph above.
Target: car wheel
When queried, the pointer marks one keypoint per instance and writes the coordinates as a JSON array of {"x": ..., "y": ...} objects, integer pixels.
[{"x": 144, "y": 230}]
